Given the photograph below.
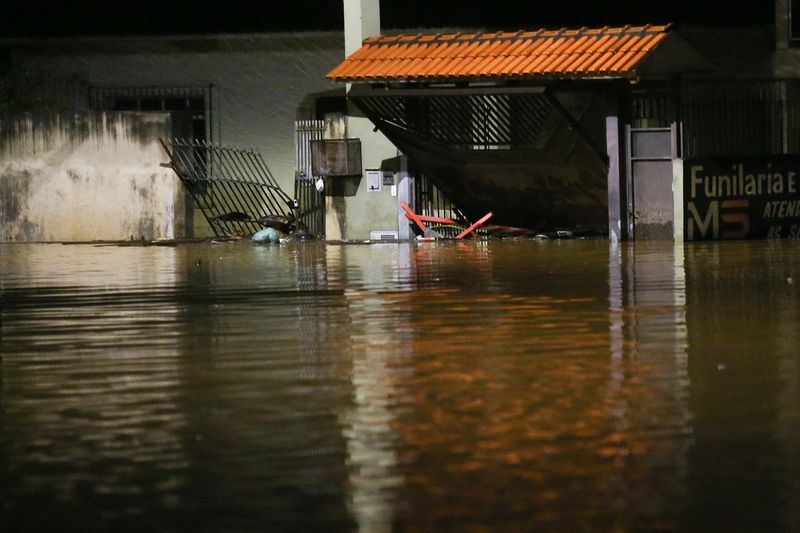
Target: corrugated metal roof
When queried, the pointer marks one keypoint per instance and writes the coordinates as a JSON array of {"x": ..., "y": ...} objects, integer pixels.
[{"x": 566, "y": 53}]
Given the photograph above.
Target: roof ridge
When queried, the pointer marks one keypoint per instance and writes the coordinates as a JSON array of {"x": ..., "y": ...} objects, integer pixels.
[
  {"x": 603, "y": 53},
  {"x": 499, "y": 35}
]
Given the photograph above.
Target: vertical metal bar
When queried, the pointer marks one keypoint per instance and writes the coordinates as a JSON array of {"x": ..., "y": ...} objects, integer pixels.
[
  {"x": 232, "y": 159},
  {"x": 261, "y": 193},
  {"x": 175, "y": 154},
  {"x": 246, "y": 161},
  {"x": 250, "y": 164},
  {"x": 221, "y": 194},
  {"x": 227, "y": 185},
  {"x": 266, "y": 172},
  {"x": 629, "y": 183},
  {"x": 207, "y": 103},
  {"x": 201, "y": 165}
]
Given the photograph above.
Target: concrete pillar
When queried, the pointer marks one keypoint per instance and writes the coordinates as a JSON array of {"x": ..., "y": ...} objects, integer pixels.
[
  {"x": 335, "y": 212},
  {"x": 782, "y": 24},
  {"x": 405, "y": 193},
  {"x": 677, "y": 199},
  {"x": 362, "y": 19},
  {"x": 616, "y": 220},
  {"x": 361, "y": 211}
]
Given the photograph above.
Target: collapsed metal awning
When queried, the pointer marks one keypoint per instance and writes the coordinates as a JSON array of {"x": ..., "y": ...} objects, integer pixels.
[
  {"x": 472, "y": 118},
  {"x": 534, "y": 157}
]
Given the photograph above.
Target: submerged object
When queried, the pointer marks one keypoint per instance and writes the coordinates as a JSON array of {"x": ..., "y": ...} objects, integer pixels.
[
  {"x": 233, "y": 216},
  {"x": 279, "y": 222},
  {"x": 266, "y": 235}
]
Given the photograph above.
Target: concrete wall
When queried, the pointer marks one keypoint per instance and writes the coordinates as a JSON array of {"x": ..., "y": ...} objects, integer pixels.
[
  {"x": 87, "y": 176},
  {"x": 786, "y": 59},
  {"x": 354, "y": 211},
  {"x": 259, "y": 82}
]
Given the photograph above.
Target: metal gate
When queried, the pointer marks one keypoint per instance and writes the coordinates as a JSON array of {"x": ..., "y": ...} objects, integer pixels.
[
  {"x": 312, "y": 201},
  {"x": 233, "y": 188},
  {"x": 649, "y": 156},
  {"x": 429, "y": 200}
]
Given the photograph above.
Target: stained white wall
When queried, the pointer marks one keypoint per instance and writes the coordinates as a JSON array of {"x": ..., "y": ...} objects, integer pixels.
[
  {"x": 259, "y": 81},
  {"x": 87, "y": 176}
]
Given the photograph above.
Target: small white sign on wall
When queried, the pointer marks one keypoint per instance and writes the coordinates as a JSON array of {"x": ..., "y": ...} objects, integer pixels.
[{"x": 373, "y": 180}]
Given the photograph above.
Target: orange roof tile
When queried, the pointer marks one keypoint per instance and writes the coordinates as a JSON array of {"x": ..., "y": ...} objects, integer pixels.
[{"x": 566, "y": 53}]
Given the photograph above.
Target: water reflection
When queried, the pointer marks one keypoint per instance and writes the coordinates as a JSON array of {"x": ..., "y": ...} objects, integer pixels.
[
  {"x": 649, "y": 379},
  {"x": 505, "y": 385},
  {"x": 368, "y": 424},
  {"x": 79, "y": 393},
  {"x": 744, "y": 339}
]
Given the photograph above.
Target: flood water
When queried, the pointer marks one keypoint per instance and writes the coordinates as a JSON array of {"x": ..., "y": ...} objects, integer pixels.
[{"x": 504, "y": 386}]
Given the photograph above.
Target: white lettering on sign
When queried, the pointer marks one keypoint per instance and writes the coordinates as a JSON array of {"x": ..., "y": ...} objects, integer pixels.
[{"x": 739, "y": 183}]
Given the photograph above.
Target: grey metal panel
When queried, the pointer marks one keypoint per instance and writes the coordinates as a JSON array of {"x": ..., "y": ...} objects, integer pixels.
[
  {"x": 650, "y": 163},
  {"x": 651, "y": 143},
  {"x": 616, "y": 232}
]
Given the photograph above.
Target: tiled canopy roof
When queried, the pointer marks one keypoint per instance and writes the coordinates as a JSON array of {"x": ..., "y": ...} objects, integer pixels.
[{"x": 579, "y": 53}]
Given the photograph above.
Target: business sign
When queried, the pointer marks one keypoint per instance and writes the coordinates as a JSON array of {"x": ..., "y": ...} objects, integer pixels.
[{"x": 742, "y": 198}]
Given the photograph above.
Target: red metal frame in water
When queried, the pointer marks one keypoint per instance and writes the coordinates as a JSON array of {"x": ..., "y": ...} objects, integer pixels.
[{"x": 420, "y": 219}]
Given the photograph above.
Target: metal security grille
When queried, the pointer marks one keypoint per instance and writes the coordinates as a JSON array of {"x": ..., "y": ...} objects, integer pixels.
[
  {"x": 312, "y": 201},
  {"x": 232, "y": 187},
  {"x": 467, "y": 121},
  {"x": 431, "y": 201},
  {"x": 305, "y": 132},
  {"x": 741, "y": 118},
  {"x": 652, "y": 110},
  {"x": 195, "y": 99}
]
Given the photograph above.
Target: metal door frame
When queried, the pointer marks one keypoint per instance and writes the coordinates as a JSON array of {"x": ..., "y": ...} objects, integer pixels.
[{"x": 630, "y": 160}]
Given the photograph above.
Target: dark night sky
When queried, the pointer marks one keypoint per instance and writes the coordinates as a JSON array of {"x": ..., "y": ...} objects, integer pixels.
[{"x": 36, "y": 18}]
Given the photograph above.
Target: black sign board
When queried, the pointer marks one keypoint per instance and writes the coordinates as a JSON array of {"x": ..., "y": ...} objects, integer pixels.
[{"x": 742, "y": 198}]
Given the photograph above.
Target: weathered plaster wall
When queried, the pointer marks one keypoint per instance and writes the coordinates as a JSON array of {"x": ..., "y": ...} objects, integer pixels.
[
  {"x": 87, "y": 176},
  {"x": 352, "y": 211},
  {"x": 371, "y": 210},
  {"x": 258, "y": 81}
]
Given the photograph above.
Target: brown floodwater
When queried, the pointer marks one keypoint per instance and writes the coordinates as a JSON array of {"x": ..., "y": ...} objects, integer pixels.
[{"x": 504, "y": 386}]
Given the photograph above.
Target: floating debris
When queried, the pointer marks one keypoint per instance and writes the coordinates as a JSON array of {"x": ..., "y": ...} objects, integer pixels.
[
  {"x": 279, "y": 222},
  {"x": 266, "y": 235},
  {"x": 233, "y": 216}
]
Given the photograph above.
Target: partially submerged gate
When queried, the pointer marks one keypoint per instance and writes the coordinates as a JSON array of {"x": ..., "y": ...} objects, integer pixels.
[
  {"x": 311, "y": 199},
  {"x": 232, "y": 187}
]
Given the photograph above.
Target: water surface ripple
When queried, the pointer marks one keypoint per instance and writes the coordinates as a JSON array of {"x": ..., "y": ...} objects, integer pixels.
[{"x": 556, "y": 385}]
